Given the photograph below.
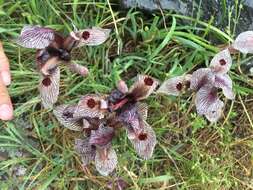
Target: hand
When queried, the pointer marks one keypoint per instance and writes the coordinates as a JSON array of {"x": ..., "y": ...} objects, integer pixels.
[{"x": 6, "y": 109}]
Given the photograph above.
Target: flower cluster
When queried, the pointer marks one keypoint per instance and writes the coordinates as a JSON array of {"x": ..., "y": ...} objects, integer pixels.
[
  {"x": 53, "y": 49},
  {"x": 99, "y": 116},
  {"x": 205, "y": 82}
]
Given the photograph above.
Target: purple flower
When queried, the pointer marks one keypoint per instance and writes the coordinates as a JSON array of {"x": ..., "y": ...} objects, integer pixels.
[
  {"x": 175, "y": 86},
  {"x": 53, "y": 49},
  {"x": 205, "y": 82},
  {"x": 244, "y": 42},
  {"x": 133, "y": 114},
  {"x": 98, "y": 147}
]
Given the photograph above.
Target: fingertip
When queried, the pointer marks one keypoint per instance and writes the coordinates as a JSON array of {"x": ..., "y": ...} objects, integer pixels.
[
  {"x": 6, "y": 112},
  {"x": 6, "y": 77}
]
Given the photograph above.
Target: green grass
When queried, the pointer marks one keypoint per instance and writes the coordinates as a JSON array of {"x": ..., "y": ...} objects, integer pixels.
[{"x": 190, "y": 154}]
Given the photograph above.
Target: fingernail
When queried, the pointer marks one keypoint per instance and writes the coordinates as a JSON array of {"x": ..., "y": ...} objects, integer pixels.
[
  {"x": 6, "y": 77},
  {"x": 6, "y": 112}
]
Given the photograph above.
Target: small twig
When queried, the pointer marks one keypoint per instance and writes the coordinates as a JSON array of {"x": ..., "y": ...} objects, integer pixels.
[
  {"x": 246, "y": 111},
  {"x": 115, "y": 25}
]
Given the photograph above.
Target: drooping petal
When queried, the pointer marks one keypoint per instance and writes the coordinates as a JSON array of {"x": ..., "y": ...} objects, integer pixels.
[
  {"x": 145, "y": 142},
  {"x": 102, "y": 136},
  {"x": 64, "y": 114},
  {"x": 79, "y": 69},
  {"x": 244, "y": 42},
  {"x": 36, "y": 37},
  {"x": 225, "y": 83},
  {"x": 205, "y": 97},
  {"x": 49, "y": 88},
  {"x": 173, "y": 86},
  {"x": 91, "y": 37},
  {"x": 143, "y": 87},
  {"x": 89, "y": 106},
  {"x": 86, "y": 151},
  {"x": 214, "y": 111},
  {"x": 201, "y": 77},
  {"x": 130, "y": 118},
  {"x": 142, "y": 110},
  {"x": 221, "y": 62},
  {"x": 106, "y": 160}
]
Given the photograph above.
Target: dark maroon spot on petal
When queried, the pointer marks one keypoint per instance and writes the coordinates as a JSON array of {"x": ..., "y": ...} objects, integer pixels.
[
  {"x": 46, "y": 81},
  {"x": 91, "y": 103},
  {"x": 148, "y": 81},
  {"x": 223, "y": 62},
  {"x": 85, "y": 35},
  {"x": 143, "y": 136},
  {"x": 187, "y": 84},
  {"x": 68, "y": 114},
  {"x": 179, "y": 86}
]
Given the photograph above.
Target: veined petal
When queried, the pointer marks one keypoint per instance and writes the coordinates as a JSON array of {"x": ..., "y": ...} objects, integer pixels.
[
  {"x": 221, "y": 62},
  {"x": 244, "y": 42},
  {"x": 173, "y": 86},
  {"x": 214, "y": 111},
  {"x": 64, "y": 114},
  {"x": 102, "y": 136},
  {"x": 143, "y": 87},
  {"x": 225, "y": 83},
  {"x": 85, "y": 150},
  {"x": 205, "y": 97},
  {"x": 144, "y": 143},
  {"x": 49, "y": 88},
  {"x": 89, "y": 106},
  {"x": 36, "y": 37},
  {"x": 91, "y": 37},
  {"x": 142, "y": 110},
  {"x": 106, "y": 160},
  {"x": 131, "y": 118},
  {"x": 201, "y": 77}
]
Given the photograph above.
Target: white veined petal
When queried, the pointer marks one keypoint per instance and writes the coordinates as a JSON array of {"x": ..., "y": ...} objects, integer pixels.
[
  {"x": 214, "y": 111},
  {"x": 143, "y": 87},
  {"x": 173, "y": 86},
  {"x": 64, "y": 114},
  {"x": 36, "y": 37},
  {"x": 106, "y": 160},
  {"x": 205, "y": 97},
  {"x": 89, "y": 106},
  {"x": 221, "y": 62},
  {"x": 142, "y": 110},
  {"x": 244, "y": 42},
  {"x": 102, "y": 136},
  {"x": 85, "y": 150},
  {"x": 91, "y": 37},
  {"x": 201, "y": 77},
  {"x": 145, "y": 142},
  {"x": 225, "y": 83},
  {"x": 49, "y": 88}
]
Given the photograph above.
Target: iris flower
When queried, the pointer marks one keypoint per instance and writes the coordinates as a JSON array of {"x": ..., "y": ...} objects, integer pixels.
[
  {"x": 205, "y": 82},
  {"x": 53, "y": 49},
  {"x": 99, "y": 116}
]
